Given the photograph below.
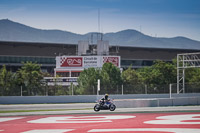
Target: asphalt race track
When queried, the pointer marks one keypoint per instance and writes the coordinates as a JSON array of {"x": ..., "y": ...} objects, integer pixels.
[
  {"x": 84, "y": 108},
  {"x": 183, "y": 119}
]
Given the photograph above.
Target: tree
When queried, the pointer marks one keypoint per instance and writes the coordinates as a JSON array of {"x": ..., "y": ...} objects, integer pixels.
[
  {"x": 88, "y": 81},
  {"x": 192, "y": 75},
  {"x": 5, "y": 81},
  {"x": 130, "y": 76},
  {"x": 131, "y": 81},
  {"x": 167, "y": 72},
  {"x": 111, "y": 77},
  {"x": 30, "y": 75},
  {"x": 159, "y": 73},
  {"x": 192, "y": 80},
  {"x": 146, "y": 76},
  {"x": 158, "y": 76}
]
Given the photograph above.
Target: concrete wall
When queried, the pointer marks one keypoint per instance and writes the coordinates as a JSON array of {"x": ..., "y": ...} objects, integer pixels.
[
  {"x": 134, "y": 103},
  {"x": 125, "y": 101},
  {"x": 46, "y": 99}
]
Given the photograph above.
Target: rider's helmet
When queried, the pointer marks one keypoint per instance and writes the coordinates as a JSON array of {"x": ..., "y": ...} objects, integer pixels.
[{"x": 106, "y": 96}]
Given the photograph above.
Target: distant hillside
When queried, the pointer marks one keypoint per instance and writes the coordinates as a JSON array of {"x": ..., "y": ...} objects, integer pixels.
[{"x": 12, "y": 31}]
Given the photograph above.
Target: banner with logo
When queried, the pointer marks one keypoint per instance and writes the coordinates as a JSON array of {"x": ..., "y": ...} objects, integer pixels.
[{"x": 85, "y": 61}]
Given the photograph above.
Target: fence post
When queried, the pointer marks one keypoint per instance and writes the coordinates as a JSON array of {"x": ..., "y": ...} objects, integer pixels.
[
  {"x": 21, "y": 90},
  {"x": 122, "y": 89},
  {"x": 98, "y": 86},
  {"x": 72, "y": 89},
  {"x": 145, "y": 89},
  {"x": 170, "y": 91},
  {"x": 47, "y": 90}
]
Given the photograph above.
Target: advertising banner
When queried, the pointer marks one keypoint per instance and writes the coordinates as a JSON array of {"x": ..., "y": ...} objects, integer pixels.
[
  {"x": 71, "y": 61},
  {"x": 85, "y": 61},
  {"x": 113, "y": 60},
  {"x": 91, "y": 61}
]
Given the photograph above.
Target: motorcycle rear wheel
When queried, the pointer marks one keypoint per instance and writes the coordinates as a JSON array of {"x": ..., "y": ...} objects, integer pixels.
[{"x": 96, "y": 107}]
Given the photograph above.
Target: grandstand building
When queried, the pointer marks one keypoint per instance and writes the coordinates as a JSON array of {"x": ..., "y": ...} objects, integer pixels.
[{"x": 12, "y": 54}]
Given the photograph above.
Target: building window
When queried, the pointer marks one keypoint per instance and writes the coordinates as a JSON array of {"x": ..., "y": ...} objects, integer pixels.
[
  {"x": 62, "y": 74},
  {"x": 75, "y": 74}
]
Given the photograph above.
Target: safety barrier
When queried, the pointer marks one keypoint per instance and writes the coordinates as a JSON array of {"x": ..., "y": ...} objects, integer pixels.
[{"x": 125, "y": 101}]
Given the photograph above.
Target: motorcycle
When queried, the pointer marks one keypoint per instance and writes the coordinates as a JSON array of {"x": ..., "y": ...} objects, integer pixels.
[{"x": 109, "y": 105}]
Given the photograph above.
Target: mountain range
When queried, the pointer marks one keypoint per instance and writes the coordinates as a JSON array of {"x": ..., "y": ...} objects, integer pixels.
[{"x": 13, "y": 31}]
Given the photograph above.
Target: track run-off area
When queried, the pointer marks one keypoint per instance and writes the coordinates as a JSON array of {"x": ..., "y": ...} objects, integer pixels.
[{"x": 112, "y": 122}]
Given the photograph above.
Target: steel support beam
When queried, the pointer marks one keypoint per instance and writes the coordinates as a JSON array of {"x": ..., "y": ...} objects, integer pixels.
[{"x": 184, "y": 61}]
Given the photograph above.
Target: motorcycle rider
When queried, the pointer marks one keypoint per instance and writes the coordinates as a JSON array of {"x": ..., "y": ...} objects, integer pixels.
[
  {"x": 105, "y": 100},
  {"x": 105, "y": 103}
]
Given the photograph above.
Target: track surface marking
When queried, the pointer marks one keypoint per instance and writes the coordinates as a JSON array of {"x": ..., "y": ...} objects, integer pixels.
[{"x": 102, "y": 123}]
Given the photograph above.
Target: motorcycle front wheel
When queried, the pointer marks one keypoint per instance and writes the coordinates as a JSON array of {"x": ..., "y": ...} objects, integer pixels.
[{"x": 112, "y": 107}]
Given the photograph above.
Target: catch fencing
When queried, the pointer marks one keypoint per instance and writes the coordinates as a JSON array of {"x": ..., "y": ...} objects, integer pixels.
[{"x": 118, "y": 90}]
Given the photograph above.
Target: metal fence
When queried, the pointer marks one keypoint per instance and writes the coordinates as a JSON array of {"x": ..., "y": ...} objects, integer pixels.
[
  {"x": 57, "y": 90},
  {"x": 189, "y": 88}
]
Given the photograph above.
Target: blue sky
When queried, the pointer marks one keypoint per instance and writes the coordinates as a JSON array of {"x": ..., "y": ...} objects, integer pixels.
[{"x": 161, "y": 18}]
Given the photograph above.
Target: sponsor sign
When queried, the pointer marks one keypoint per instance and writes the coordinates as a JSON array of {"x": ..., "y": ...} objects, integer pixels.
[
  {"x": 85, "y": 61},
  {"x": 113, "y": 60},
  {"x": 91, "y": 61},
  {"x": 71, "y": 61}
]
